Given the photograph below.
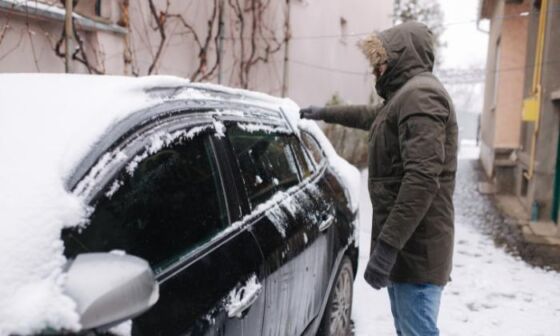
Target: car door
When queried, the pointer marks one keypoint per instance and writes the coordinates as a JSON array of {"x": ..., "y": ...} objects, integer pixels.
[
  {"x": 334, "y": 218},
  {"x": 322, "y": 212},
  {"x": 173, "y": 204},
  {"x": 277, "y": 200}
]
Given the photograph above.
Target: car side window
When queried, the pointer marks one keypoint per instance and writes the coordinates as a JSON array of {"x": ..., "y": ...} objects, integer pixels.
[
  {"x": 305, "y": 164},
  {"x": 266, "y": 162},
  {"x": 168, "y": 205},
  {"x": 314, "y": 148}
]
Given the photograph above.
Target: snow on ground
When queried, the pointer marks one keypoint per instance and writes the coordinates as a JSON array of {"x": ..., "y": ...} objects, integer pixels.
[
  {"x": 469, "y": 150},
  {"x": 492, "y": 292},
  {"x": 370, "y": 311}
]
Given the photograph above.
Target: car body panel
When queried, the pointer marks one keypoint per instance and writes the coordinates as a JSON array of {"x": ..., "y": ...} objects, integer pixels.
[{"x": 296, "y": 271}]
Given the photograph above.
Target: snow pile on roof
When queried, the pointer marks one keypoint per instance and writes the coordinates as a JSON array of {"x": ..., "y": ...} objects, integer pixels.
[
  {"x": 288, "y": 106},
  {"x": 47, "y": 123}
]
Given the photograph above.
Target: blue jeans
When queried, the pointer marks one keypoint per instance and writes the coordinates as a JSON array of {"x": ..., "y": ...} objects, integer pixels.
[{"x": 415, "y": 308}]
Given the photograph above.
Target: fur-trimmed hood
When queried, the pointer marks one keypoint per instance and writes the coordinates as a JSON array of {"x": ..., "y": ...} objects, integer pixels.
[{"x": 410, "y": 51}]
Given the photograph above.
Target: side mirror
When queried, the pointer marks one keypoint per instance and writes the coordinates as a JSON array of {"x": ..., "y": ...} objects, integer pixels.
[{"x": 110, "y": 288}]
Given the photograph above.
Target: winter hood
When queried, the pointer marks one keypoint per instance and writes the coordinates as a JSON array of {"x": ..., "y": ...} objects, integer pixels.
[{"x": 410, "y": 51}]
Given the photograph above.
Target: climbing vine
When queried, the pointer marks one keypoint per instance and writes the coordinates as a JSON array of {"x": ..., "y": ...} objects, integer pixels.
[
  {"x": 79, "y": 53},
  {"x": 227, "y": 37},
  {"x": 251, "y": 37}
]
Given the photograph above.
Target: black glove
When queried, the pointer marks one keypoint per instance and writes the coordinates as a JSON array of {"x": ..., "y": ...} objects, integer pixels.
[
  {"x": 380, "y": 265},
  {"x": 311, "y": 112}
]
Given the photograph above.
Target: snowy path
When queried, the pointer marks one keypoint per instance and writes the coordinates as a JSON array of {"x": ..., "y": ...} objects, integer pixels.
[{"x": 492, "y": 293}]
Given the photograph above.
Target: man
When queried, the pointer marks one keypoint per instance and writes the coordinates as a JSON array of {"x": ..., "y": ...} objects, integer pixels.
[{"x": 412, "y": 164}]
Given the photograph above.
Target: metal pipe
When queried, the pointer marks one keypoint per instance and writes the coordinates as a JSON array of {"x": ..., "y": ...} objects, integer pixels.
[
  {"x": 220, "y": 40},
  {"x": 536, "y": 87},
  {"x": 68, "y": 31},
  {"x": 287, "y": 37}
]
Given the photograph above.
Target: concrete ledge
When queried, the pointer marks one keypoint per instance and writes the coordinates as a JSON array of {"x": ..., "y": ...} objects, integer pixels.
[
  {"x": 546, "y": 233},
  {"x": 555, "y": 95},
  {"x": 486, "y": 188},
  {"x": 512, "y": 206}
]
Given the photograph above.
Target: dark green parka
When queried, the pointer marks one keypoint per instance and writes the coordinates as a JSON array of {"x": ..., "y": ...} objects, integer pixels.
[{"x": 412, "y": 157}]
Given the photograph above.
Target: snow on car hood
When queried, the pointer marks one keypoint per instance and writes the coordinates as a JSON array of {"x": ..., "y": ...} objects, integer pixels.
[{"x": 48, "y": 123}]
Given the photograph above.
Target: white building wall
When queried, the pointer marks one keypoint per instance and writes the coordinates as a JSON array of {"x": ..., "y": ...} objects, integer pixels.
[
  {"x": 320, "y": 61},
  {"x": 310, "y": 80}
]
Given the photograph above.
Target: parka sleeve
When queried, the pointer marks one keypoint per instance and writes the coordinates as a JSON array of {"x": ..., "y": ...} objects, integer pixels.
[
  {"x": 422, "y": 123},
  {"x": 355, "y": 116}
]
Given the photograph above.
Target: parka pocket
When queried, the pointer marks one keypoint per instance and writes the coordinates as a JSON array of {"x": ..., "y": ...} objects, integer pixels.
[
  {"x": 384, "y": 187},
  {"x": 383, "y": 194}
]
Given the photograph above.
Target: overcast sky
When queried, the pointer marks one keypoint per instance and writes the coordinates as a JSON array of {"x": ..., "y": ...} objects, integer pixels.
[{"x": 466, "y": 46}]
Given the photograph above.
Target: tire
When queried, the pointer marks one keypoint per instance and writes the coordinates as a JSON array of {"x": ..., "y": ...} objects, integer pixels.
[{"x": 336, "y": 318}]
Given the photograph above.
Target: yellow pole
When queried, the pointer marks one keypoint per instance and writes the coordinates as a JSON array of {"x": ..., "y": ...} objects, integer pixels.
[{"x": 536, "y": 87}]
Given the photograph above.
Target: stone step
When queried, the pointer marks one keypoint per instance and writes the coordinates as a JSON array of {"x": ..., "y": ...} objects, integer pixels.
[{"x": 542, "y": 232}]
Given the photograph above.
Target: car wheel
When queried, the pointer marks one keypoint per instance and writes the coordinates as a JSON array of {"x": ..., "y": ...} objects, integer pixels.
[{"x": 336, "y": 319}]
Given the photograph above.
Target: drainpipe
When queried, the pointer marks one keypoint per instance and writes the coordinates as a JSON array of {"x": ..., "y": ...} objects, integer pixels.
[
  {"x": 532, "y": 104},
  {"x": 287, "y": 36},
  {"x": 220, "y": 40},
  {"x": 69, "y": 34}
]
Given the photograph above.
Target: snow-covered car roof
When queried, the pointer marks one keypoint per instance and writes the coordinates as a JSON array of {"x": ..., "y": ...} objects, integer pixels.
[{"x": 48, "y": 123}]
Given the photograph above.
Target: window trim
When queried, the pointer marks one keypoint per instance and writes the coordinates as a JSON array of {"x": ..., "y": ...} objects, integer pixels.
[
  {"x": 251, "y": 215},
  {"x": 318, "y": 165},
  {"x": 134, "y": 144},
  {"x": 304, "y": 150},
  {"x": 295, "y": 159},
  {"x": 218, "y": 165},
  {"x": 244, "y": 197}
]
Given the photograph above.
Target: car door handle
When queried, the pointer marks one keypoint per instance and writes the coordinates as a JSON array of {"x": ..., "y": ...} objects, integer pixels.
[
  {"x": 236, "y": 309},
  {"x": 326, "y": 223}
]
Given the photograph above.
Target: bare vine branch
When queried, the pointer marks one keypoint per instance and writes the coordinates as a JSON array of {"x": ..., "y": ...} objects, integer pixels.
[
  {"x": 204, "y": 44},
  {"x": 254, "y": 38},
  {"x": 260, "y": 47},
  {"x": 4, "y": 29},
  {"x": 79, "y": 54},
  {"x": 160, "y": 18},
  {"x": 124, "y": 21},
  {"x": 30, "y": 34}
]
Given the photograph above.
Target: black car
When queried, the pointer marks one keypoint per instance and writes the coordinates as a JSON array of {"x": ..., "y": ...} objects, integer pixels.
[{"x": 246, "y": 227}]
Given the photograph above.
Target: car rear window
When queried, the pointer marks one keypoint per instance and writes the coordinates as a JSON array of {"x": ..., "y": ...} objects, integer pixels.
[{"x": 266, "y": 162}]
